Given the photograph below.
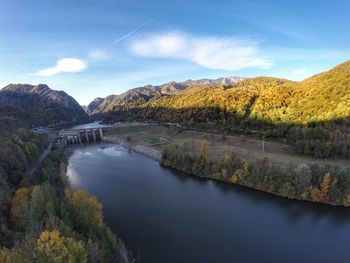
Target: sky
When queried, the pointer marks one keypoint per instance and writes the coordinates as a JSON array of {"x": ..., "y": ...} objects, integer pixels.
[{"x": 94, "y": 48}]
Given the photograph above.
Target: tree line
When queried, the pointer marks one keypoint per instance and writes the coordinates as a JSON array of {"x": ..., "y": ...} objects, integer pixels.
[
  {"x": 312, "y": 115},
  {"x": 315, "y": 183},
  {"x": 41, "y": 218}
]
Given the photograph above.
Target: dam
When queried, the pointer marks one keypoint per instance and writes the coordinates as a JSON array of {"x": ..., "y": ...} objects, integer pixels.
[{"x": 78, "y": 136}]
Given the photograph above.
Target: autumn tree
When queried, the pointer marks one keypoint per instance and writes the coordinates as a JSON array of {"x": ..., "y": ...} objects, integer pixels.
[
  {"x": 320, "y": 194},
  {"x": 14, "y": 256},
  {"x": 87, "y": 210},
  {"x": 203, "y": 150},
  {"x": 44, "y": 203},
  {"x": 21, "y": 198},
  {"x": 52, "y": 247}
]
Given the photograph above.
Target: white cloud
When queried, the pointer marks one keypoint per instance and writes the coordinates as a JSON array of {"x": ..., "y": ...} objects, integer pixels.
[
  {"x": 210, "y": 52},
  {"x": 300, "y": 71},
  {"x": 71, "y": 65},
  {"x": 98, "y": 54}
]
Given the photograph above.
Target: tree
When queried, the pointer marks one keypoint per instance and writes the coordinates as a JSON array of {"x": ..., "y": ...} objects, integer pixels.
[
  {"x": 325, "y": 184},
  {"x": 320, "y": 194},
  {"x": 304, "y": 176},
  {"x": 51, "y": 247},
  {"x": 346, "y": 200},
  {"x": 21, "y": 197},
  {"x": 44, "y": 203},
  {"x": 13, "y": 256},
  {"x": 203, "y": 151},
  {"x": 87, "y": 210}
]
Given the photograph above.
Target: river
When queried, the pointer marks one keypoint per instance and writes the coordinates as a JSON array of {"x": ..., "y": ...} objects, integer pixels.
[{"x": 167, "y": 216}]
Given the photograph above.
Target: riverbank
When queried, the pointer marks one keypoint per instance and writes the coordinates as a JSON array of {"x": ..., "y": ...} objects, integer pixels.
[
  {"x": 142, "y": 149},
  {"x": 238, "y": 160},
  {"x": 154, "y": 209}
]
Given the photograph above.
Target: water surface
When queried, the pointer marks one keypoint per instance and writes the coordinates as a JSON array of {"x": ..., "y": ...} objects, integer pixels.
[
  {"x": 166, "y": 216},
  {"x": 90, "y": 125}
]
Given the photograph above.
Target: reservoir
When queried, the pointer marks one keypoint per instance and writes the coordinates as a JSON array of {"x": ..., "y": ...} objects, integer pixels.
[{"x": 167, "y": 216}]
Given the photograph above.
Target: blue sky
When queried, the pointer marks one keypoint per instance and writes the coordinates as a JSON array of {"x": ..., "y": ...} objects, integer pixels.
[{"x": 97, "y": 48}]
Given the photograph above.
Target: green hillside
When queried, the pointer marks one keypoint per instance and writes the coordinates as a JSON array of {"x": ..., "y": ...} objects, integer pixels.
[
  {"x": 40, "y": 209},
  {"x": 311, "y": 114},
  {"x": 45, "y": 106}
]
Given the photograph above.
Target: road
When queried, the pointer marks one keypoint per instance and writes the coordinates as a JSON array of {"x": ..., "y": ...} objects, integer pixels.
[{"x": 31, "y": 170}]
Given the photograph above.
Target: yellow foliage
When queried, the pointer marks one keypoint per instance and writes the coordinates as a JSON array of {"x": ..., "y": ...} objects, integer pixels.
[
  {"x": 86, "y": 206},
  {"x": 52, "y": 247},
  {"x": 316, "y": 194},
  {"x": 346, "y": 200},
  {"x": 234, "y": 179},
  {"x": 12, "y": 256},
  {"x": 326, "y": 183},
  {"x": 226, "y": 160},
  {"x": 22, "y": 196},
  {"x": 204, "y": 149},
  {"x": 319, "y": 194}
]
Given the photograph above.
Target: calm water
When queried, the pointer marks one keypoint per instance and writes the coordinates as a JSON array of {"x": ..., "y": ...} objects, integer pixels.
[
  {"x": 167, "y": 216},
  {"x": 95, "y": 124}
]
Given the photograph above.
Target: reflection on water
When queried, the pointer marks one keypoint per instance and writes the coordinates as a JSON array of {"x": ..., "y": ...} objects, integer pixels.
[
  {"x": 168, "y": 216},
  {"x": 113, "y": 151}
]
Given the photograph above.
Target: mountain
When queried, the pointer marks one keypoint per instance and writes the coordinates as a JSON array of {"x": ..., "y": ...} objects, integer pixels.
[
  {"x": 45, "y": 106},
  {"x": 93, "y": 105},
  {"x": 313, "y": 114},
  {"x": 225, "y": 81},
  {"x": 141, "y": 95},
  {"x": 320, "y": 98}
]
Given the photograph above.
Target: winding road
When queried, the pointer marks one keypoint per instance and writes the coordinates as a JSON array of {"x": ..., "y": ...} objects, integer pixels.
[{"x": 31, "y": 170}]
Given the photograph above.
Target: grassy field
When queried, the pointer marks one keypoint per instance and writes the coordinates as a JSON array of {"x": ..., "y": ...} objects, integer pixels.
[{"x": 247, "y": 148}]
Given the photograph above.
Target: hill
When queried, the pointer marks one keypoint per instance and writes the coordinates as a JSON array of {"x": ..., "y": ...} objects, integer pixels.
[
  {"x": 312, "y": 114},
  {"x": 140, "y": 95},
  {"x": 45, "y": 106},
  {"x": 12, "y": 118}
]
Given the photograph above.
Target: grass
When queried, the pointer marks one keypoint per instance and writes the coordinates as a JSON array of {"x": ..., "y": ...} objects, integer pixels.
[{"x": 247, "y": 148}]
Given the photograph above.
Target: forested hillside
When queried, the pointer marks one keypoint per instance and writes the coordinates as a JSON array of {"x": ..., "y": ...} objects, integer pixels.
[
  {"x": 46, "y": 106},
  {"x": 12, "y": 118},
  {"x": 41, "y": 219},
  {"x": 140, "y": 95},
  {"x": 312, "y": 114}
]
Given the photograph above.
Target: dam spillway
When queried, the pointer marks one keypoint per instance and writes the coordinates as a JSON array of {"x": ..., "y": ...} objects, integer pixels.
[{"x": 78, "y": 136}]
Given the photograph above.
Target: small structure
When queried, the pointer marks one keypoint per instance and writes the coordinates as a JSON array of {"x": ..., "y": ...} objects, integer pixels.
[{"x": 80, "y": 135}]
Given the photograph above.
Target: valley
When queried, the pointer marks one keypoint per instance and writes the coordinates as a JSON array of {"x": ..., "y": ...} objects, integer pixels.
[
  {"x": 174, "y": 131},
  {"x": 243, "y": 132},
  {"x": 168, "y": 216}
]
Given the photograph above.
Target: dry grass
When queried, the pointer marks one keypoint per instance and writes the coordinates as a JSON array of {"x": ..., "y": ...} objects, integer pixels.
[{"x": 246, "y": 148}]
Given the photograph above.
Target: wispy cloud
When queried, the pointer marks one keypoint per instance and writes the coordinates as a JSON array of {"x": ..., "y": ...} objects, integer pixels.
[
  {"x": 131, "y": 32},
  {"x": 98, "y": 55},
  {"x": 70, "y": 65},
  {"x": 300, "y": 71},
  {"x": 210, "y": 52}
]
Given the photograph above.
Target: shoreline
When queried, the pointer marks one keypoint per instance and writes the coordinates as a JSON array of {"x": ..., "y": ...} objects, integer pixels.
[
  {"x": 145, "y": 150},
  {"x": 157, "y": 154}
]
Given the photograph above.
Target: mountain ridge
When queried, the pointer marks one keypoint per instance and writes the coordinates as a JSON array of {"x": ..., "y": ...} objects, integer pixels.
[
  {"x": 143, "y": 94},
  {"x": 45, "y": 105},
  {"x": 319, "y": 98}
]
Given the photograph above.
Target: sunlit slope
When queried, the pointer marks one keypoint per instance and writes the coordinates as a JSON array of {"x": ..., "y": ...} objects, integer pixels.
[{"x": 323, "y": 97}]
